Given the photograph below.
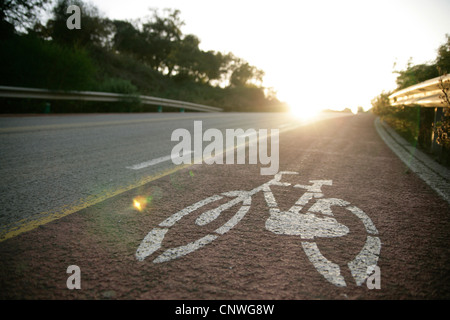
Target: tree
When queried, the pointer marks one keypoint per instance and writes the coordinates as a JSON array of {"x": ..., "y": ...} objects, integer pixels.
[
  {"x": 244, "y": 73},
  {"x": 19, "y": 13},
  {"x": 184, "y": 59},
  {"x": 443, "y": 57},
  {"x": 416, "y": 74},
  {"x": 94, "y": 29},
  {"x": 211, "y": 65},
  {"x": 187, "y": 60},
  {"x": 128, "y": 39},
  {"x": 161, "y": 33},
  {"x": 381, "y": 105}
]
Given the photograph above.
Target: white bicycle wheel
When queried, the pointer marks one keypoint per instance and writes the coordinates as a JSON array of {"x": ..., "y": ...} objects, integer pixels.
[{"x": 153, "y": 241}]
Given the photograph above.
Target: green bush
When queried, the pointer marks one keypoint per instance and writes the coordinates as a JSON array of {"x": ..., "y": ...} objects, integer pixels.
[
  {"x": 28, "y": 61},
  {"x": 116, "y": 85}
]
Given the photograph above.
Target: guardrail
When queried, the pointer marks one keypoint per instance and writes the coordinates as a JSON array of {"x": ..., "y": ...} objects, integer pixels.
[
  {"x": 32, "y": 93},
  {"x": 425, "y": 94}
]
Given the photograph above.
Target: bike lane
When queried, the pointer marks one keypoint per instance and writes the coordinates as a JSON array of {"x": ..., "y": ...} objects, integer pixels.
[{"x": 251, "y": 261}]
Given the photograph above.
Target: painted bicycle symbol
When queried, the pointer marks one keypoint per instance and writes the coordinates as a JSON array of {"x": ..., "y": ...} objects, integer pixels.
[{"x": 307, "y": 226}]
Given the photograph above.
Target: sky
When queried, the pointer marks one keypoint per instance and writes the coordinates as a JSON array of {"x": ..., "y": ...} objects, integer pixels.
[{"x": 315, "y": 54}]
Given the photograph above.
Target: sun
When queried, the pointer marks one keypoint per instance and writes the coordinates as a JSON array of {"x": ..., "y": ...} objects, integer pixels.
[
  {"x": 302, "y": 107},
  {"x": 303, "y": 112}
]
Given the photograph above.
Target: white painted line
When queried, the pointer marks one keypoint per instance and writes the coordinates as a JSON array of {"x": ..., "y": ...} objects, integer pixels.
[{"x": 153, "y": 162}]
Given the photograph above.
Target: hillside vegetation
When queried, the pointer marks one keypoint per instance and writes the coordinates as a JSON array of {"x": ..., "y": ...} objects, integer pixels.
[{"x": 150, "y": 56}]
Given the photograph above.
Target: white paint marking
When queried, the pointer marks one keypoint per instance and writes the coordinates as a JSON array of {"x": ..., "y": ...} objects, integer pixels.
[
  {"x": 151, "y": 243},
  {"x": 324, "y": 205},
  {"x": 306, "y": 197},
  {"x": 368, "y": 224},
  {"x": 180, "y": 214},
  {"x": 366, "y": 258},
  {"x": 325, "y": 267},
  {"x": 234, "y": 220},
  {"x": 295, "y": 209},
  {"x": 307, "y": 226},
  {"x": 174, "y": 253},
  {"x": 270, "y": 199},
  {"x": 317, "y": 185},
  {"x": 212, "y": 214},
  {"x": 154, "y": 162},
  {"x": 243, "y": 194}
]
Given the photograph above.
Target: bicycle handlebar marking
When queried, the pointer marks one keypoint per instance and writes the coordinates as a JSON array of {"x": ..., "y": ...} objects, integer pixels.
[{"x": 307, "y": 226}]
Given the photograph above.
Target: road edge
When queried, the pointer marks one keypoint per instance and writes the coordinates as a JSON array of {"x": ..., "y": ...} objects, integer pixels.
[{"x": 434, "y": 174}]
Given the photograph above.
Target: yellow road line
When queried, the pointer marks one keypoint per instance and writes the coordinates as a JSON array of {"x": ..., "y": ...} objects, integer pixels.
[
  {"x": 42, "y": 218},
  {"x": 28, "y": 224}
]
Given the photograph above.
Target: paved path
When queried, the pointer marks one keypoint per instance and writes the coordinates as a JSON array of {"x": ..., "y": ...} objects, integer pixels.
[{"x": 353, "y": 204}]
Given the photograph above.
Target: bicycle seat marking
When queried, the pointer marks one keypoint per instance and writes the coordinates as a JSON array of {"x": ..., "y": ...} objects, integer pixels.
[{"x": 307, "y": 226}]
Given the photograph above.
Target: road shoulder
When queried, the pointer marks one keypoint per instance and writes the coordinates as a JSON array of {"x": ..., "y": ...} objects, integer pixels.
[{"x": 434, "y": 174}]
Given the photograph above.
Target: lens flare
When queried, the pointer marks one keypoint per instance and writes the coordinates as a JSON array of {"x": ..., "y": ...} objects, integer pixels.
[{"x": 139, "y": 203}]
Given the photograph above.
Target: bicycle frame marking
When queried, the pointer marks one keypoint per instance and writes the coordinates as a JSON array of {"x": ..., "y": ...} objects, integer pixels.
[{"x": 306, "y": 225}]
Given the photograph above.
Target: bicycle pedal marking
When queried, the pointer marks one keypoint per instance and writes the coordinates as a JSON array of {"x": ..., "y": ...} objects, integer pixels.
[{"x": 308, "y": 226}]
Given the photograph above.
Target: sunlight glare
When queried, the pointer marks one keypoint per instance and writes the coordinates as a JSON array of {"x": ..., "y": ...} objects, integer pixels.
[
  {"x": 139, "y": 203},
  {"x": 302, "y": 110},
  {"x": 304, "y": 113}
]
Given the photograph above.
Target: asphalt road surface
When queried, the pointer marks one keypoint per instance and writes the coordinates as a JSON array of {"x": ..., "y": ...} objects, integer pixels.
[{"x": 343, "y": 219}]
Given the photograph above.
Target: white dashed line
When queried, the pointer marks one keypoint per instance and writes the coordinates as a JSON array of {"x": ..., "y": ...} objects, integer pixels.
[{"x": 152, "y": 162}]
